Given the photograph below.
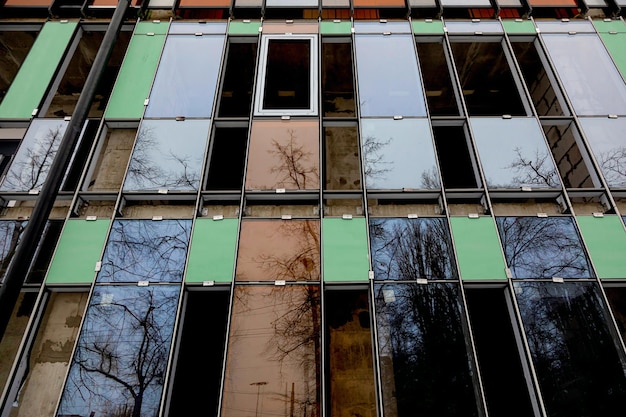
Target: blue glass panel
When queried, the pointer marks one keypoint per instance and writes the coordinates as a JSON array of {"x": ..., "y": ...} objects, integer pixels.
[
  {"x": 399, "y": 154},
  {"x": 575, "y": 357},
  {"x": 537, "y": 247},
  {"x": 192, "y": 28},
  {"x": 608, "y": 144},
  {"x": 474, "y": 26},
  {"x": 560, "y": 26},
  {"x": 186, "y": 79},
  {"x": 168, "y": 154},
  {"x": 361, "y": 26},
  {"x": 120, "y": 361},
  {"x": 408, "y": 249},
  {"x": 145, "y": 250},
  {"x": 422, "y": 346}
]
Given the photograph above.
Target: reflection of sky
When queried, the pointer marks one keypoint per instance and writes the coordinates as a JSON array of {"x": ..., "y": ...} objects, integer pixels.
[
  {"x": 168, "y": 154},
  {"x": 513, "y": 153},
  {"x": 398, "y": 154},
  {"x": 125, "y": 340},
  {"x": 607, "y": 138}
]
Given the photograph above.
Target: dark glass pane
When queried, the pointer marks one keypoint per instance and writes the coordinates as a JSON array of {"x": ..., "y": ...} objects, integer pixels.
[
  {"x": 579, "y": 370},
  {"x": 238, "y": 82},
  {"x": 342, "y": 165},
  {"x": 145, "y": 250},
  {"x": 337, "y": 80},
  {"x": 10, "y": 233},
  {"x": 197, "y": 381},
  {"x": 455, "y": 160},
  {"x": 272, "y": 250},
  {"x": 608, "y": 144},
  {"x": 617, "y": 301},
  {"x": 120, "y": 361},
  {"x": 537, "y": 247},
  {"x": 45, "y": 250},
  {"x": 274, "y": 348},
  {"x": 440, "y": 93},
  {"x": 424, "y": 363},
  {"x": 350, "y": 385},
  {"x": 571, "y": 159},
  {"x": 408, "y": 249},
  {"x": 228, "y": 157},
  {"x": 168, "y": 154},
  {"x": 14, "y": 45},
  {"x": 287, "y": 75}
]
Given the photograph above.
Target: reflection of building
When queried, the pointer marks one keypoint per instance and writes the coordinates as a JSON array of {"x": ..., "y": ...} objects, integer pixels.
[{"x": 313, "y": 209}]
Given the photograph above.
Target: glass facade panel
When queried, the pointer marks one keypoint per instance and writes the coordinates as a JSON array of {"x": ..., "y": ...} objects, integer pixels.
[
  {"x": 440, "y": 92},
  {"x": 399, "y": 154},
  {"x": 423, "y": 357},
  {"x": 337, "y": 80},
  {"x": 168, "y": 155},
  {"x": 410, "y": 249},
  {"x": 345, "y": 250},
  {"x": 212, "y": 253},
  {"x": 606, "y": 241},
  {"x": 342, "y": 166},
  {"x": 228, "y": 158},
  {"x": 122, "y": 352},
  {"x": 238, "y": 80},
  {"x": 537, "y": 247},
  {"x": 10, "y": 233},
  {"x": 145, "y": 250},
  {"x": 608, "y": 144}
]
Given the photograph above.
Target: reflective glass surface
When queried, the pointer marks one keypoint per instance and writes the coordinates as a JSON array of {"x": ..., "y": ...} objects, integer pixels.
[
  {"x": 10, "y": 232},
  {"x": 537, "y": 247},
  {"x": 167, "y": 155},
  {"x": 564, "y": 26},
  {"x": 145, "y": 250},
  {"x": 274, "y": 347},
  {"x": 473, "y": 26},
  {"x": 593, "y": 84},
  {"x": 272, "y": 250},
  {"x": 399, "y": 154},
  {"x": 608, "y": 144},
  {"x": 423, "y": 358},
  {"x": 361, "y": 26},
  {"x": 197, "y": 27},
  {"x": 121, "y": 357},
  {"x": 31, "y": 164},
  {"x": 514, "y": 153},
  {"x": 578, "y": 367},
  {"x": 342, "y": 166},
  {"x": 408, "y": 249},
  {"x": 388, "y": 75},
  {"x": 187, "y": 76}
]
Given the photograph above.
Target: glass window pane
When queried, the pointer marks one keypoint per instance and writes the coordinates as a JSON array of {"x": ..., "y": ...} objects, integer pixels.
[
  {"x": 364, "y": 26},
  {"x": 106, "y": 171},
  {"x": 423, "y": 358},
  {"x": 16, "y": 42},
  {"x": 145, "y": 250},
  {"x": 514, "y": 153},
  {"x": 121, "y": 357},
  {"x": 606, "y": 242},
  {"x": 389, "y": 78},
  {"x": 410, "y": 249},
  {"x": 608, "y": 144},
  {"x": 345, "y": 249},
  {"x": 187, "y": 77},
  {"x": 578, "y": 367},
  {"x": 440, "y": 92},
  {"x": 537, "y": 247},
  {"x": 212, "y": 253},
  {"x": 399, "y": 154},
  {"x": 456, "y": 159},
  {"x": 238, "y": 80},
  {"x": 337, "y": 79},
  {"x": 10, "y": 233},
  {"x": 168, "y": 155},
  {"x": 228, "y": 158},
  {"x": 191, "y": 28},
  {"x": 272, "y": 250},
  {"x": 29, "y": 169},
  {"x": 593, "y": 84},
  {"x": 342, "y": 165},
  {"x": 274, "y": 347},
  {"x": 468, "y": 26},
  {"x": 283, "y": 154}
]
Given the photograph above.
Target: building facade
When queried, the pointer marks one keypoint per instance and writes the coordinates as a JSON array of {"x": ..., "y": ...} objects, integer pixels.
[{"x": 374, "y": 208}]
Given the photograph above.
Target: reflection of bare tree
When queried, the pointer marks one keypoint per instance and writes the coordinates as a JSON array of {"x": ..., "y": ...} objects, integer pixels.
[
  {"x": 297, "y": 165},
  {"x": 430, "y": 179},
  {"x": 406, "y": 249},
  {"x": 121, "y": 357},
  {"x": 536, "y": 170},
  {"x": 576, "y": 361},
  {"x": 374, "y": 158},
  {"x": 543, "y": 247},
  {"x": 423, "y": 351},
  {"x": 613, "y": 166},
  {"x": 10, "y": 232}
]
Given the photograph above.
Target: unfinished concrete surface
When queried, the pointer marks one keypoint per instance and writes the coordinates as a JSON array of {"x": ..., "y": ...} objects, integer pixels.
[
  {"x": 14, "y": 333},
  {"x": 342, "y": 163}
]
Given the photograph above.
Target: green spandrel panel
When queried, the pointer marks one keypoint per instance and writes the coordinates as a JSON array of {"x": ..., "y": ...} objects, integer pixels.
[
  {"x": 336, "y": 28},
  {"x": 244, "y": 28},
  {"x": 135, "y": 78},
  {"x": 80, "y": 247},
  {"x": 212, "y": 255},
  {"x": 344, "y": 245},
  {"x": 616, "y": 45},
  {"x": 606, "y": 241},
  {"x": 427, "y": 27},
  {"x": 477, "y": 247},
  {"x": 157, "y": 27},
  {"x": 518, "y": 26},
  {"x": 610, "y": 26},
  {"x": 31, "y": 82}
]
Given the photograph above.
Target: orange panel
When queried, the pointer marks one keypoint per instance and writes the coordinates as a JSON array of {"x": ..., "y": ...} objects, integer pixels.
[
  {"x": 28, "y": 3},
  {"x": 366, "y": 14},
  {"x": 204, "y": 3},
  {"x": 379, "y": 3},
  {"x": 552, "y": 3}
]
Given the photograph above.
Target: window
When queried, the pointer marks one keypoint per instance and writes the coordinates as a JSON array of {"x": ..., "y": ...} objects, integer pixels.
[{"x": 287, "y": 79}]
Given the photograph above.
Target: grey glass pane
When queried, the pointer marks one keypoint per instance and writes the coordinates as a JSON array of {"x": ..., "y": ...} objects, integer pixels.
[
  {"x": 514, "y": 153},
  {"x": 608, "y": 144},
  {"x": 167, "y": 155},
  {"x": 399, "y": 154},
  {"x": 30, "y": 166},
  {"x": 565, "y": 26},
  {"x": 593, "y": 84},
  {"x": 472, "y": 27},
  {"x": 389, "y": 79},
  {"x": 120, "y": 361},
  {"x": 408, "y": 249},
  {"x": 145, "y": 250},
  {"x": 380, "y": 27},
  {"x": 423, "y": 358},
  {"x": 578, "y": 367},
  {"x": 199, "y": 27},
  {"x": 537, "y": 247},
  {"x": 186, "y": 79}
]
